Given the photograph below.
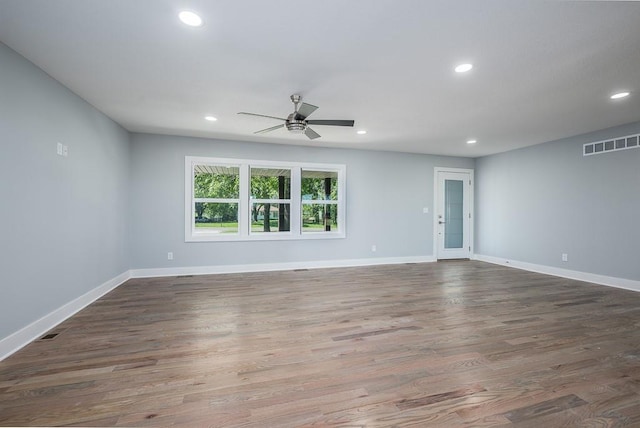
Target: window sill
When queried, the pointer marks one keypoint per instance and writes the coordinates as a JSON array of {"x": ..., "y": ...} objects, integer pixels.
[{"x": 273, "y": 236}]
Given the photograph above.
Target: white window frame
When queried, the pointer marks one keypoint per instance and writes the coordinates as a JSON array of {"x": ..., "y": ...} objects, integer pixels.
[
  {"x": 325, "y": 202},
  {"x": 244, "y": 204}
]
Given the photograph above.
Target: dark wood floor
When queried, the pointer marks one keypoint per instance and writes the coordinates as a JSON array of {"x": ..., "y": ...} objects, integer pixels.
[{"x": 437, "y": 344}]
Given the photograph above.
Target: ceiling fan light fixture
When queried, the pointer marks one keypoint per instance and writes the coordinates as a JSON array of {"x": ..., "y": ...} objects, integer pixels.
[
  {"x": 191, "y": 19},
  {"x": 296, "y": 126},
  {"x": 463, "y": 68},
  {"x": 619, "y": 95}
]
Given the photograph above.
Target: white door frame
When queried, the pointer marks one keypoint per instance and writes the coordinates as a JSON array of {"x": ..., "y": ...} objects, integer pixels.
[{"x": 471, "y": 219}]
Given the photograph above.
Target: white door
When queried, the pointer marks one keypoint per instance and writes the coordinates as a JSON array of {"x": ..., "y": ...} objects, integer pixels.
[{"x": 452, "y": 217}]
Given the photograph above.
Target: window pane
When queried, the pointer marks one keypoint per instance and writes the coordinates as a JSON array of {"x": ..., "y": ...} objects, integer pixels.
[
  {"x": 278, "y": 218},
  {"x": 213, "y": 217},
  {"x": 216, "y": 181},
  {"x": 453, "y": 202},
  {"x": 319, "y": 218},
  {"x": 270, "y": 183},
  {"x": 319, "y": 185}
]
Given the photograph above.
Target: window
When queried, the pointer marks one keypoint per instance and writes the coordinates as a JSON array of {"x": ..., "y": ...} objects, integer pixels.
[
  {"x": 216, "y": 191},
  {"x": 270, "y": 200},
  {"x": 237, "y": 199},
  {"x": 319, "y": 200}
]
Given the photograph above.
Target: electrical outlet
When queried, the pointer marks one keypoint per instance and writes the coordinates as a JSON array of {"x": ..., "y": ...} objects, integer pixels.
[
  {"x": 425, "y": 210},
  {"x": 565, "y": 257},
  {"x": 169, "y": 255},
  {"x": 374, "y": 248},
  {"x": 59, "y": 149},
  {"x": 65, "y": 151}
]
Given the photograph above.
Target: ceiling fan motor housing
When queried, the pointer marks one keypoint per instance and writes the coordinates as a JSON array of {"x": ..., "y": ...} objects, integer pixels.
[{"x": 296, "y": 126}]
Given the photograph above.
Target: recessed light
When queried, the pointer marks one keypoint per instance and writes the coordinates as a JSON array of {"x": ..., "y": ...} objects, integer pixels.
[
  {"x": 463, "y": 68},
  {"x": 190, "y": 18},
  {"x": 620, "y": 95},
  {"x": 210, "y": 118},
  {"x": 361, "y": 132},
  {"x": 471, "y": 141}
]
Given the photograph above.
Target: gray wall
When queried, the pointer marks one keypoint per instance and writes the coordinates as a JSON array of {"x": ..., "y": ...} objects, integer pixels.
[
  {"x": 63, "y": 220},
  {"x": 536, "y": 203},
  {"x": 385, "y": 196}
]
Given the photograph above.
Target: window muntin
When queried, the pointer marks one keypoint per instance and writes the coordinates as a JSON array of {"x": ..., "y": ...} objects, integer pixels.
[{"x": 227, "y": 199}]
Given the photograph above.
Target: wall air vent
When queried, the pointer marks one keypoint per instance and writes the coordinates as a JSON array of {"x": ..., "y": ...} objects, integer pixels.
[
  {"x": 49, "y": 336},
  {"x": 611, "y": 145}
]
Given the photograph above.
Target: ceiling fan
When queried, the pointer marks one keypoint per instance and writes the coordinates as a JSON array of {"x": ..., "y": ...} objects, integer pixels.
[{"x": 297, "y": 121}]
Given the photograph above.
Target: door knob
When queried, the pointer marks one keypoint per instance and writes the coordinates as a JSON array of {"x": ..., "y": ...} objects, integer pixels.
[{"x": 441, "y": 222}]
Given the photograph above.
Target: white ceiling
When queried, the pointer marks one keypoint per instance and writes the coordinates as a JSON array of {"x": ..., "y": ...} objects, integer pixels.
[{"x": 543, "y": 70}]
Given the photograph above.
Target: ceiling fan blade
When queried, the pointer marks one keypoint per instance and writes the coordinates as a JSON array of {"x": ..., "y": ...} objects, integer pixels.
[
  {"x": 260, "y": 115},
  {"x": 311, "y": 133},
  {"x": 304, "y": 111},
  {"x": 273, "y": 128},
  {"x": 331, "y": 122}
]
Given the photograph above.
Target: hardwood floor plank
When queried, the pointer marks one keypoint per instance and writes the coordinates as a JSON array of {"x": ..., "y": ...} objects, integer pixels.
[
  {"x": 374, "y": 333},
  {"x": 437, "y": 398},
  {"x": 437, "y": 344},
  {"x": 545, "y": 408}
]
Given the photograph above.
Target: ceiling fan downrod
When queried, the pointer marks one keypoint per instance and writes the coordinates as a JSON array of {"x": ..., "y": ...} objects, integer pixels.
[{"x": 295, "y": 98}]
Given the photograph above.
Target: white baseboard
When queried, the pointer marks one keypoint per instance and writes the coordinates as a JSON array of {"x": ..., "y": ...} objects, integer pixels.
[
  {"x": 267, "y": 267},
  {"x": 610, "y": 281},
  {"x": 36, "y": 329}
]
